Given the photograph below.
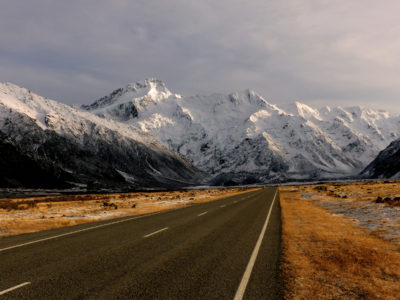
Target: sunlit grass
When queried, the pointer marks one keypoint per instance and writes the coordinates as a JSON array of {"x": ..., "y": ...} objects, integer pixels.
[{"x": 327, "y": 256}]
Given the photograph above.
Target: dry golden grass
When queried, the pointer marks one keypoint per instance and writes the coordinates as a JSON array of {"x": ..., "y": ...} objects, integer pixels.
[
  {"x": 374, "y": 205},
  {"x": 40, "y": 213},
  {"x": 389, "y": 191},
  {"x": 327, "y": 256}
]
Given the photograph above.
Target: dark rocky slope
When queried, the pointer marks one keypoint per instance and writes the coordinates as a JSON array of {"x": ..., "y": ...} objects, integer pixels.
[{"x": 386, "y": 164}]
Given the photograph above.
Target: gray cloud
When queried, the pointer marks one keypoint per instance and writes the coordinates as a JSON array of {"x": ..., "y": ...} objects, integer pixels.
[{"x": 319, "y": 52}]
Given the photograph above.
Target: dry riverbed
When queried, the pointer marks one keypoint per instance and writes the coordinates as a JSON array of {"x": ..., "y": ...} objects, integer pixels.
[
  {"x": 341, "y": 241},
  {"x": 40, "y": 213}
]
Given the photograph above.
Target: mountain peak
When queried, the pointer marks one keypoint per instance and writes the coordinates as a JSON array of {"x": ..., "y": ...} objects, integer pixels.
[
  {"x": 362, "y": 112},
  {"x": 150, "y": 88},
  {"x": 252, "y": 97},
  {"x": 148, "y": 84},
  {"x": 57, "y": 141},
  {"x": 11, "y": 88},
  {"x": 303, "y": 110}
]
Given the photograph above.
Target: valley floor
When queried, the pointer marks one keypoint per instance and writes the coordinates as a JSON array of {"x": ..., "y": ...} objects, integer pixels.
[
  {"x": 341, "y": 241},
  {"x": 25, "y": 215}
]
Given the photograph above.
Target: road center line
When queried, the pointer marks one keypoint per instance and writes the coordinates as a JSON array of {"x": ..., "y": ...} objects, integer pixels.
[
  {"x": 155, "y": 232},
  {"x": 77, "y": 231},
  {"x": 246, "y": 276},
  {"x": 14, "y": 288},
  {"x": 202, "y": 214},
  {"x": 87, "y": 229},
  {"x": 223, "y": 205}
]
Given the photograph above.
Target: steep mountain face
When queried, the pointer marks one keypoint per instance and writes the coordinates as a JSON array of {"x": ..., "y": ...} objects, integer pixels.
[
  {"x": 241, "y": 137},
  {"x": 79, "y": 148},
  {"x": 386, "y": 164},
  {"x": 17, "y": 169}
]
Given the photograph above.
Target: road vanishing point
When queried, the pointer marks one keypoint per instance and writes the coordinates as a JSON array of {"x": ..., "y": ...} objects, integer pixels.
[{"x": 224, "y": 249}]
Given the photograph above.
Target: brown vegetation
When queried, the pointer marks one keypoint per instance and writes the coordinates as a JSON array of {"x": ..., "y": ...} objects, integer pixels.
[
  {"x": 327, "y": 256},
  {"x": 17, "y": 205},
  {"x": 40, "y": 213},
  {"x": 385, "y": 192}
]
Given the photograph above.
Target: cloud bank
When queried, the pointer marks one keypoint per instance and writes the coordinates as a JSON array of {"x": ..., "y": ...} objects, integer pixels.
[{"x": 318, "y": 52}]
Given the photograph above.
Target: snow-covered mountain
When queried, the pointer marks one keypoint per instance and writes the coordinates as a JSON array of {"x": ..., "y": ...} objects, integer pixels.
[
  {"x": 242, "y": 137},
  {"x": 76, "y": 147},
  {"x": 386, "y": 164}
]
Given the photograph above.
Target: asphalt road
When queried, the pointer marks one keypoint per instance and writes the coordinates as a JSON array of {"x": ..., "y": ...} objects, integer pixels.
[{"x": 204, "y": 251}]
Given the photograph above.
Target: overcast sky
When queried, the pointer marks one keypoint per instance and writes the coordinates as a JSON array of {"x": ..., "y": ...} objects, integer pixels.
[{"x": 318, "y": 52}]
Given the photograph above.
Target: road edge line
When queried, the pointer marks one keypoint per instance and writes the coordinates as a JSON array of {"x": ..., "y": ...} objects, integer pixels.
[
  {"x": 111, "y": 223},
  {"x": 247, "y": 273},
  {"x": 14, "y": 288},
  {"x": 77, "y": 231}
]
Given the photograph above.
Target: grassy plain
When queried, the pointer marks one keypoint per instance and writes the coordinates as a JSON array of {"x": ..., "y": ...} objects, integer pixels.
[{"x": 336, "y": 244}]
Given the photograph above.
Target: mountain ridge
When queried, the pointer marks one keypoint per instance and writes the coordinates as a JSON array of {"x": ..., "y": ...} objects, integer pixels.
[
  {"x": 92, "y": 151},
  {"x": 241, "y": 132},
  {"x": 236, "y": 138}
]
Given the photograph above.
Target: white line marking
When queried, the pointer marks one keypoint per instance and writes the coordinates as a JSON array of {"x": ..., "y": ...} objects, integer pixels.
[
  {"x": 155, "y": 232},
  {"x": 246, "y": 276},
  {"x": 90, "y": 228},
  {"x": 14, "y": 288},
  {"x": 77, "y": 231},
  {"x": 223, "y": 205},
  {"x": 234, "y": 201},
  {"x": 202, "y": 214}
]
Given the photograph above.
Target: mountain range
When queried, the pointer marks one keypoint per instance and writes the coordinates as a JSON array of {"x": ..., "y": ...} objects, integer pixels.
[
  {"x": 145, "y": 136},
  {"x": 241, "y": 137}
]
